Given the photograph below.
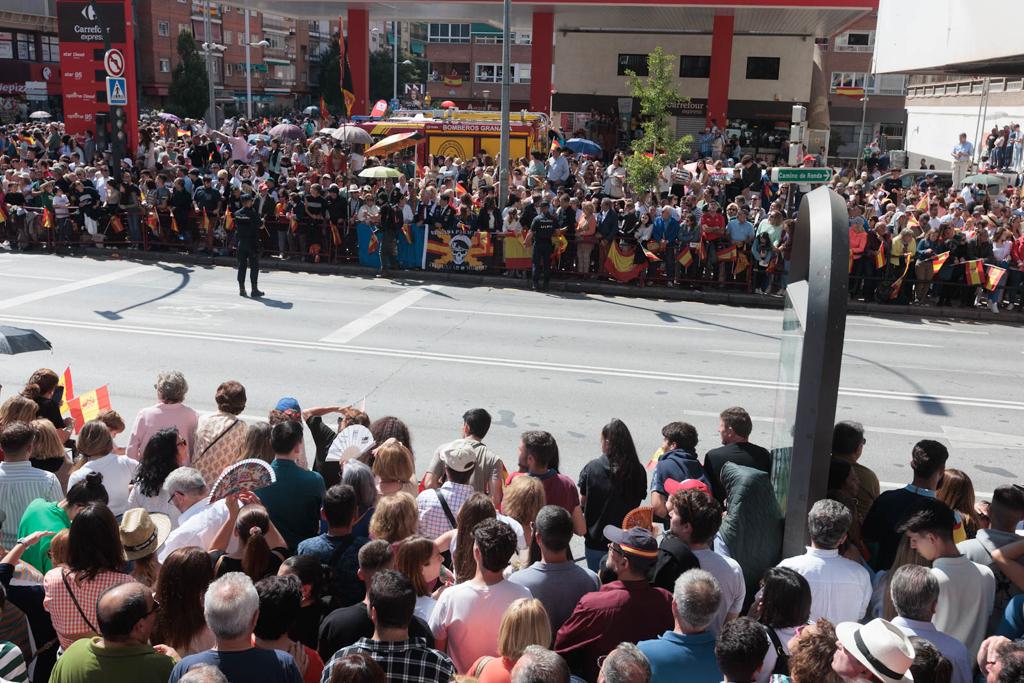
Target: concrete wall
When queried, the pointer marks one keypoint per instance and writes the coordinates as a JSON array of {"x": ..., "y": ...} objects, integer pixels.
[
  {"x": 587, "y": 63},
  {"x": 932, "y": 130}
]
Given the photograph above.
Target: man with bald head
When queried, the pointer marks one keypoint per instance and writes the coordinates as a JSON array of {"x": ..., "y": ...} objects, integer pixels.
[{"x": 125, "y": 615}]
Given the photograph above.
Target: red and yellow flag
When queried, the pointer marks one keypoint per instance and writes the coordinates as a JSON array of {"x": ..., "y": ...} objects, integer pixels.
[
  {"x": 69, "y": 389},
  {"x": 517, "y": 256},
  {"x": 279, "y": 209},
  {"x": 742, "y": 263},
  {"x": 561, "y": 244},
  {"x": 880, "y": 257},
  {"x": 153, "y": 222},
  {"x": 206, "y": 220},
  {"x": 728, "y": 253},
  {"x": 293, "y": 224},
  {"x": 993, "y": 275},
  {"x": 3, "y": 212},
  {"x": 620, "y": 265},
  {"x": 47, "y": 219},
  {"x": 407, "y": 233},
  {"x": 88, "y": 406},
  {"x": 484, "y": 240},
  {"x": 975, "y": 272},
  {"x": 939, "y": 261},
  {"x": 374, "y": 244},
  {"x": 174, "y": 224},
  {"x": 685, "y": 258},
  {"x": 116, "y": 224},
  {"x": 229, "y": 220},
  {"x": 651, "y": 256},
  {"x": 850, "y": 92}
]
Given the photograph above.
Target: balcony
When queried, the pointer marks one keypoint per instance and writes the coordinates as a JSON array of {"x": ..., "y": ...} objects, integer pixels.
[{"x": 971, "y": 86}]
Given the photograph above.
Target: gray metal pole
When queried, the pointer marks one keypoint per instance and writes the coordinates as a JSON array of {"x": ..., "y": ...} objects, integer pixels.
[
  {"x": 860, "y": 137},
  {"x": 394, "y": 73},
  {"x": 248, "y": 70},
  {"x": 506, "y": 75},
  {"x": 211, "y": 112}
]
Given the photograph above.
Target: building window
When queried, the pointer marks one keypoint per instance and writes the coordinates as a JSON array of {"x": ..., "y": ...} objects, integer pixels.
[
  {"x": 520, "y": 73},
  {"x": 229, "y": 36},
  {"x": 855, "y": 41},
  {"x": 522, "y": 38},
  {"x": 694, "y": 66},
  {"x": 165, "y": 66},
  {"x": 6, "y": 45},
  {"x": 891, "y": 84},
  {"x": 27, "y": 47},
  {"x": 488, "y": 73},
  {"x": 449, "y": 33},
  {"x": 763, "y": 68},
  {"x": 51, "y": 48},
  {"x": 635, "y": 63},
  {"x": 163, "y": 28},
  {"x": 852, "y": 79}
]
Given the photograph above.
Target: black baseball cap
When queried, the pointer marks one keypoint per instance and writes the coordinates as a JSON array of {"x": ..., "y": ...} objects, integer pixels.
[{"x": 637, "y": 542}]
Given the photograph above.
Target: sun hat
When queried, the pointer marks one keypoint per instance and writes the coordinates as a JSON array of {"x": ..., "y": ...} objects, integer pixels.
[
  {"x": 142, "y": 533},
  {"x": 881, "y": 647}
]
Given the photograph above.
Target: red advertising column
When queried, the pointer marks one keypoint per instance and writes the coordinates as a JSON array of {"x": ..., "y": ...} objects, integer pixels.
[
  {"x": 721, "y": 65},
  {"x": 359, "y": 58},
  {"x": 541, "y": 58},
  {"x": 86, "y": 31}
]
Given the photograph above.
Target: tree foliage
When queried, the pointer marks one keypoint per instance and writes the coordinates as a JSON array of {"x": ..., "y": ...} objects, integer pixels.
[
  {"x": 381, "y": 66},
  {"x": 659, "y": 145},
  {"x": 189, "y": 93}
]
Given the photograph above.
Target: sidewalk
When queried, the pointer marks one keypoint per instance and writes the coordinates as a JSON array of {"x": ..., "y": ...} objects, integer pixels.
[{"x": 573, "y": 286}]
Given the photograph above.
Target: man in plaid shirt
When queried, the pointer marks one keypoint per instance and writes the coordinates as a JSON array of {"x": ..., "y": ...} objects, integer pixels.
[{"x": 392, "y": 601}]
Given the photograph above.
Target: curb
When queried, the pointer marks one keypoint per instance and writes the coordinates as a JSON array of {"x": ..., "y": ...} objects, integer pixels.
[{"x": 656, "y": 292}]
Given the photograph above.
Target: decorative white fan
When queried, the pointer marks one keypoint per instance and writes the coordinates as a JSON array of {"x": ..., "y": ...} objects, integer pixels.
[{"x": 350, "y": 443}]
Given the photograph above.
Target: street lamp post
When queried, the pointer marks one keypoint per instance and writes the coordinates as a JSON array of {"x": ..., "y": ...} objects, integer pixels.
[
  {"x": 211, "y": 112},
  {"x": 248, "y": 66},
  {"x": 394, "y": 73},
  {"x": 506, "y": 57}
]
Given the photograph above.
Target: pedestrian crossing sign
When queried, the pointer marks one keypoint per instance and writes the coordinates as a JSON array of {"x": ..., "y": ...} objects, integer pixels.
[{"x": 117, "y": 91}]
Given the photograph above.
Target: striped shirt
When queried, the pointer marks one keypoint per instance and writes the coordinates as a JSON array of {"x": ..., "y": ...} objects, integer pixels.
[
  {"x": 12, "y": 663},
  {"x": 20, "y": 484}
]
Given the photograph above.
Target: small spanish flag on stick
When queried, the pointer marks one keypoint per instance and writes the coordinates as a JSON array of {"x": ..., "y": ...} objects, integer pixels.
[
  {"x": 993, "y": 275},
  {"x": 69, "y": 389},
  {"x": 88, "y": 406},
  {"x": 47, "y": 219},
  {"x": 374, "y": 244},
  {"x": 174, "y": 224},
  {"x": 407, "y": 233},
  {"x": 229, "y": 220},
  {"x": 938, "y": 262},
  {"x": 975, "y": 272},
  {"x": 685, "y": 258},
  {"x": 880, "y": 257}
]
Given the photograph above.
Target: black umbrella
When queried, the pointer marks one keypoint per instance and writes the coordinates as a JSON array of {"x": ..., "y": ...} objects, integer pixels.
[{"x": 16, "y": 340}]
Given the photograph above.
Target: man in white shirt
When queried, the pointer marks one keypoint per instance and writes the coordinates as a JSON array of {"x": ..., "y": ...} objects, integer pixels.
[
  {"x": 694, "y": 517},
  {"x": 467, "y": 616},
  {"x": 915, "y": 593},
  {"x": 558, "y": 168},
  {"x": 20, "y": 483},
  {"x": 966, "y": 589},
  {"x": 200, "y": 520},
  {"x": 438, "y": 508},
  {"x": 840, "y": 588}
]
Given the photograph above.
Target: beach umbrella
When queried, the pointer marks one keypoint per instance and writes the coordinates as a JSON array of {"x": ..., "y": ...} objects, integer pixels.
[
  {"x": 584, "y": 146},
  {"x": 40, "y": 115},
  {"x": 164, "y": 116},
  {"x": 393, "y": 143},
  {"x": 353, "y": 135},
  {"x": 287, "y": 131},
  {"x": 379, "y": 172},
  {"x": 326, "y": 131},
  {"x": 311, "y": 111},
  {"x": 257, "y": 136},
  {"x": 17, "y": 340},
  {"x": 983, "y": 179},
  {"x": 448, "y": 104}
]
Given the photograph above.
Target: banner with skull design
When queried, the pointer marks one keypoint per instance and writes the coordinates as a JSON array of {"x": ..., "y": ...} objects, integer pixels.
[{"x": 456, "y": 250}]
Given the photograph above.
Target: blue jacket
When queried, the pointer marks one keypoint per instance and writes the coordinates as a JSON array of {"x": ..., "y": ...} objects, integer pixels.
[
  {"x": 665, "y": 230},
  {"x": 679, "y": 465}
]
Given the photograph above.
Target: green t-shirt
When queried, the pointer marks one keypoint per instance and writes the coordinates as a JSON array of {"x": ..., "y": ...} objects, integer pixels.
[
  {"x": 86, "y": 661},
  {"x": 41, "y": 515}
]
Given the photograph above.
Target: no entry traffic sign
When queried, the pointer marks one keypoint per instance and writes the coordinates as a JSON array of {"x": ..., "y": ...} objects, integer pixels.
[{"x": 113, "y": 62}]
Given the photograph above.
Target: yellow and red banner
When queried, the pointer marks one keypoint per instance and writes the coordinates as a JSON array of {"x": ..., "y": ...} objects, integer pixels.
[
  {"x": 620, "y": 263},
  {"x": 229, "y": 220},
  {"x": 374, "y": 243},
  {"x": 69, "y": 389},
  {"x": 517, "y": 256},
  {"x": 407, "y": 233},
  {"x": 88, "y": 406},
  {"x": 561, "y": 244},
  {"x": 974, "y": 271},
  {"x": 742, "y": 263},
  {"x": 685, "y": 258},
  {"x": 880, "y": 257},
  {"x": 993, "y": 275},
  {"x": 850, "y": 92},
  {"x": 939, "y": 261},
  {"x": 452, "y": 81},
  {"x": 728, "y": 253},
  {"x": 47, "y": 219}
]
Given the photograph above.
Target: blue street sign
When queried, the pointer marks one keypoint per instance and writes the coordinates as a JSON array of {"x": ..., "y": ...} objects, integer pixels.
[{"x": 117, "y": 92}]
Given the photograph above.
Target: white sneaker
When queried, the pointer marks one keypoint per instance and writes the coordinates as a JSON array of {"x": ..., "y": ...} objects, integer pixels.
[{"x": 994, "y": 307}]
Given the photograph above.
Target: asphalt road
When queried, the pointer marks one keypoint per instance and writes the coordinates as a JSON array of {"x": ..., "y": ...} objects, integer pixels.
[{"x": 564, "y": 363}]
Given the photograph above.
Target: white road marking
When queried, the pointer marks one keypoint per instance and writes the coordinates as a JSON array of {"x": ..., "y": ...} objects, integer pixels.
[
  {"x": 520, "y": 364},
  {"x": 663, "y": 326},
  {"x": 22, "y": 276},
  {"x": 367, "y": 321},
  {"x": 72, "y": 287}
]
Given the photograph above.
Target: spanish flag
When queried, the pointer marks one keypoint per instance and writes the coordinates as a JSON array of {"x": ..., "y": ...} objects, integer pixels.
[
  {"x": 938, "y": 262},
  {"x": 324, "y": 114},
  {"x": 47, "y": 219},
  {"x": 483, "y": 239},
  {"x": 335, "y": 235},
  {"x": 685, "y": 258},
  {"x": 880, "y": 257},
  {"x": 407, "y": 232},
  {"x": 850, "y": 92},
  {"x": 728, "y": 253},
  {"x": 620, "y": 265},
  {"x": 517, "y": 256},
  {"x": 279, "y": 209},
  {"x": 206, "y": 220},
  {"x": 116, "y": 224},
  {"x": 348, "y": 91},
  {"x": 293, "y": 224},
  {"x": 3, "y": 213},
  {"x": 742, "y": 263},
  {"x": 561, "y": 244},
  {"x": 88, "y": 406},
  {"x": 69, "y": 389},
  {"x": 153, "y": 221},
  {"x": 374, "y": 243},
  {"x": 229, "y": 220},
  {"x": 174, "y": 224},
  {"x": 974, "y": 271},
  {"x": 993, "y": 275},
  {"x": 651, "y": 256},
  {"x": 184, "y": 132}
]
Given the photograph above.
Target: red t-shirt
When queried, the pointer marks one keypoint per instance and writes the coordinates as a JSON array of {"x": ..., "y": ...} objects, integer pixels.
[
  {"x": 712, "y": 225},
  {"x": 558, "y": 489}
]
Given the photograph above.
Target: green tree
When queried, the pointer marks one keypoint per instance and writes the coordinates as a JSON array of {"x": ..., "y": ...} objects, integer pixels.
[
  {"x": 658, "y": 146},
  {"x": 330, "y": 78},
  {"x": 189, "y": 92},
  {"x": 381, "y": 72}
]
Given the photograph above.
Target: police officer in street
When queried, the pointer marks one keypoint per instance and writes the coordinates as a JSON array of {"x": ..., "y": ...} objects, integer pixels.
[
  {"x": 542, "y": 229},
  {"x": 247, "y": 231}
]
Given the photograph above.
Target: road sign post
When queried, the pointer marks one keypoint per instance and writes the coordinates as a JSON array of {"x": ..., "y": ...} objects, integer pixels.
[
  {"x": 809, "y": 176},
  {"x": 113, "y": 62}
]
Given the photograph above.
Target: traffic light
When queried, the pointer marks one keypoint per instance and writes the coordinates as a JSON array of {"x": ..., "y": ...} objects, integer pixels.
[{"x": 118, "y": 133}]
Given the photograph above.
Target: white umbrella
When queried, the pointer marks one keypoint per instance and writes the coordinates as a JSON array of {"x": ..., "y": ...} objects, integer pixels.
[
  {"x": 326, "y": 131},
  {"x": 40, "y": 115},
  {"x": 353, "y": 135}
]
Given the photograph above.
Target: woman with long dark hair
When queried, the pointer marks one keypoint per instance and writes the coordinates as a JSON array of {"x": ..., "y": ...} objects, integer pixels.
[
  {"x": 165, "y": 452},
  {"x": 783, "y": 606},
  {"x": 95, "y": 557},
  {"x": 610, "y": 486},
  {"x": 261, "y": 547},
  {"x": 41, "y": 388},
  {"x": 180, "y": 624},
  {"x": 476, "y": 509}
]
